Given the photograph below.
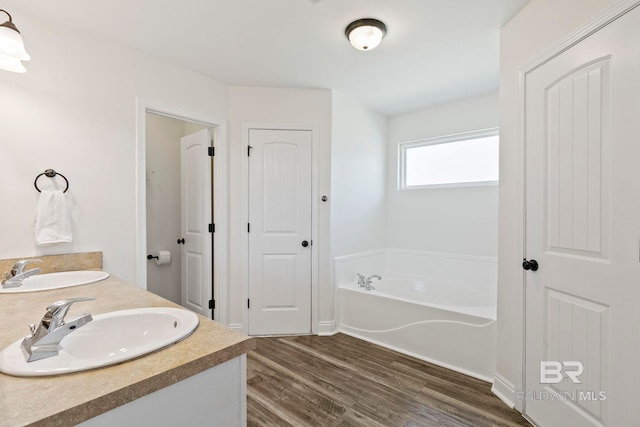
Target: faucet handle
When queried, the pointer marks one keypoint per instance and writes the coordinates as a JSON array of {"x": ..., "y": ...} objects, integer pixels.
[
  {"x": 57, "y": 311},
  {"x": 18, "y": 267}
]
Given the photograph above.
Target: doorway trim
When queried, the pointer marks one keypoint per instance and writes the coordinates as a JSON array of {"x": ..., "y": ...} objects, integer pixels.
[
  {"x": 502, "y": 388},
  {"x": 315, "y": 211},
  {"x": 220, "y": 190}
]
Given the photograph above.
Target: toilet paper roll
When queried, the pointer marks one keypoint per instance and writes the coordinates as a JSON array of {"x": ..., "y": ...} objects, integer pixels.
[{"x": 164, "y": 257}]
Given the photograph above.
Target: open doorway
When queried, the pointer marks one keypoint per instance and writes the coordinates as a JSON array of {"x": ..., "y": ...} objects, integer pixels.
[{"x": 178, "y": 221}]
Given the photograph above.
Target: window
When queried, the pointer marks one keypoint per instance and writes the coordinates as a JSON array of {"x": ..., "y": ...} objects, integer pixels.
[{"x": 466, "y": 159}]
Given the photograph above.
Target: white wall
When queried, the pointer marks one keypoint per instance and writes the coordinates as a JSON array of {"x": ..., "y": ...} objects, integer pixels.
[
  {"x": 452, "y": 220},
  {"x": 74, "y": 111},
  {"x": 276, "y": 106},
  {"x": 541, "y": 24},
  {"x": 358, "y": 169}
]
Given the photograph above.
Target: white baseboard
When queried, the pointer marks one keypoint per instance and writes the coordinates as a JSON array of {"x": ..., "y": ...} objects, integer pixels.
[
  {"x": 504, "y": 389},
  {"x": 324, "y": 329},
  {"x": 327, "y": 328},
  {"x": 236, "y": 327}
]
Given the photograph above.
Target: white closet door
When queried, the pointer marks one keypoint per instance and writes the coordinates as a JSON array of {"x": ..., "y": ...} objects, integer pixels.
[
  {"x": 279, "y": 232},
  {"x": 582, "y": 124},
  {"x": 196, "y": 217}
]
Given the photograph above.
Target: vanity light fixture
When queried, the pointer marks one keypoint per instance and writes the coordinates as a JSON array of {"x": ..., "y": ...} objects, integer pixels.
[
  {"x": 365, "y": 34},
  {"x": 12, "y": 50}
]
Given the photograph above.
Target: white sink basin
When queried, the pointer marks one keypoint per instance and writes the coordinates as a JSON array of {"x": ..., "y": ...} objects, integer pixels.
[
  {"x": 64, "y": 279},
  {"x": 109, "y": 339}
]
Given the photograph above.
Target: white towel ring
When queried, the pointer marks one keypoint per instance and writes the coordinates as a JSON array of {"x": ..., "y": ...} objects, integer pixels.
[{"x": 50, "y": 173}]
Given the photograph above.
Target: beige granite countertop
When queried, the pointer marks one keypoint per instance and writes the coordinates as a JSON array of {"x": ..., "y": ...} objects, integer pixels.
[{"x": 69, "y": 399}]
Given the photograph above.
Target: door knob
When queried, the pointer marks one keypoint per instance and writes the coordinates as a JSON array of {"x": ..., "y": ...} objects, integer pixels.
[
  {"x": 530, "y": 265},
  {"x": 305, "y": 243},
  {"x": 181, "y": 241}
]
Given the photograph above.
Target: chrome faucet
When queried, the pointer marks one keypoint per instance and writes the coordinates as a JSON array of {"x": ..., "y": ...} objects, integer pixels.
[
  {"x": 45, "y": 339},
  {"x": 367, "y": 282},
  {"x": 14, "y": 278},
  {"x": 360, "y": 280}
]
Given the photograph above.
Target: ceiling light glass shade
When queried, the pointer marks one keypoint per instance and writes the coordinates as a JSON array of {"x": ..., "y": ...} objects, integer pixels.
[
  {"x": 11, "y": 44},
  {"x": 13, "y": 65},
  {"x": 365, "y": 34},
  {"x": 11, "y": 47}
]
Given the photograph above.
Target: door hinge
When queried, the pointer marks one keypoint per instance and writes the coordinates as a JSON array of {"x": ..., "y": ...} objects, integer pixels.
[
  {"x": 212, "y": 304},
  {"x": 248, "y": 228},
  {"x": 248, "y": 303},
  {"x": 212, "y": 228},
  {"x": 211, "y": 151},
  {"x": 249, "y": 150}
]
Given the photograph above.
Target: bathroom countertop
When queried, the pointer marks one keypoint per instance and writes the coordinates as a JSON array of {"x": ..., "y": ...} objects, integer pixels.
[{"x": 70, "y": 399}]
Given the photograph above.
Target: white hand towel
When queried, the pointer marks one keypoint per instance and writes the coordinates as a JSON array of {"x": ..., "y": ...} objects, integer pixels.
[{"x": 53, "y": 222}]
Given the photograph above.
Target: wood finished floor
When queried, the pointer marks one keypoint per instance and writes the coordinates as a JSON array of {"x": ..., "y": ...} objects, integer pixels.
[{"x": 344, "y": 381}]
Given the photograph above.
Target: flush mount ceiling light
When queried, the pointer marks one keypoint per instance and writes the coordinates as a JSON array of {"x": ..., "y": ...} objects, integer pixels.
[
  {"x": 11, "y": 47},
  {"x": 365, "y": 34}
]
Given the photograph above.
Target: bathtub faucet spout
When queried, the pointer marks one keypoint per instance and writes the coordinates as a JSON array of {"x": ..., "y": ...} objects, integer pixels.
[{"x": 367, "y": 282}]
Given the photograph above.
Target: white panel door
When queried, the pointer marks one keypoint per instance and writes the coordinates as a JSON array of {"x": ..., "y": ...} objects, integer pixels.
[
  {"x": 582, "y": 135},
  {"x": 279, "y": 232},
  {"x": 196, "y": 216}
]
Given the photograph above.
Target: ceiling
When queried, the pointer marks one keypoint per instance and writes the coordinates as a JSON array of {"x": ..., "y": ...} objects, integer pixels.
[{"x": 435, "y": 50}]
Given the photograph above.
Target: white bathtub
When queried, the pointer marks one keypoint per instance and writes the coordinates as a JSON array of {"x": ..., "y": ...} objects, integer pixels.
[
  {"x": 449, "y": 296},
  {"x": 445, "y": 321}
]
